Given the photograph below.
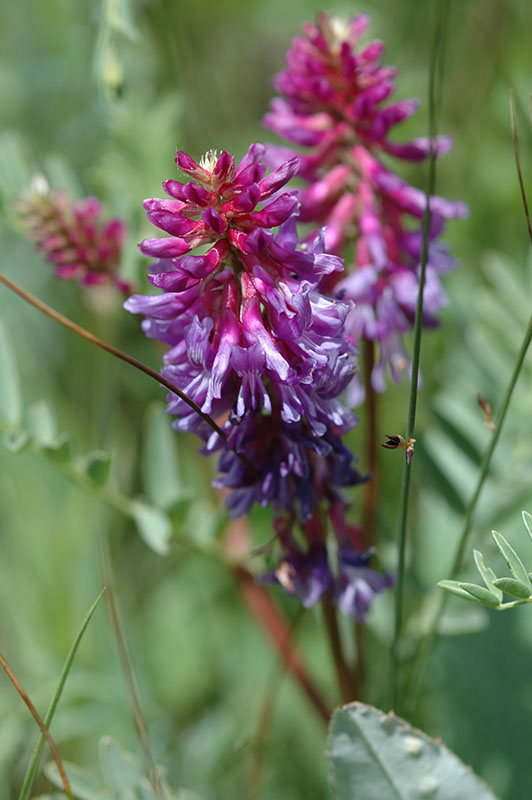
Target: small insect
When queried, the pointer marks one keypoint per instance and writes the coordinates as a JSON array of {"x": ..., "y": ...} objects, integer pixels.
[{"x": 396, "y": 441}]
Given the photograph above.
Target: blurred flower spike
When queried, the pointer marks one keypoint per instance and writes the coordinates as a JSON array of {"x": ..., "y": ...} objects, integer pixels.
[
  {"x": 332, "y": 104},
  {"x": 252, "y": 341},
  {"x": 73, "y": 237}
]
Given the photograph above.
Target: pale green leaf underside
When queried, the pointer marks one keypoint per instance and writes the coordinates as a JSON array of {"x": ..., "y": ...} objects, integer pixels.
[{"x": 378, "y": 756}]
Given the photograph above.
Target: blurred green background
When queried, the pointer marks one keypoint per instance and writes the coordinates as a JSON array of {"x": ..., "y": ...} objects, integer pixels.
[{"x": 98, "y": 95}]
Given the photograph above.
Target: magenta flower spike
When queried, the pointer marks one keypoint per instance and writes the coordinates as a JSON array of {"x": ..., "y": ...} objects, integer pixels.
[
  {"x": 73, "y": 237},
  {"x": 335, "y": 103},
  {"x": 251, "y": 340}
]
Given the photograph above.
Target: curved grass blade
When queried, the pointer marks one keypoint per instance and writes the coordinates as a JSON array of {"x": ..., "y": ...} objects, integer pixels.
[
  {"x": 34, "y": 763},
  {"x": 35, "y": 714}
]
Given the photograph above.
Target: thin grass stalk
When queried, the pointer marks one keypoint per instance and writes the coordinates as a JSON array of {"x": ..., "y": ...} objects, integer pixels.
[
  {"x": 434, "y": 92},
  {"x": 36, "y": 755},
  {"x": 44, "y": 730},
  {"x": 117, "y": 627},
  {"x": 486, "y": 459}
]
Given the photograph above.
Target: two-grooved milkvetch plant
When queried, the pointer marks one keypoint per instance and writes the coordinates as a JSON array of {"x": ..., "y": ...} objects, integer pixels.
[
  {"x": 333, "y": 105},
  {"x": 256, "y": 345}
]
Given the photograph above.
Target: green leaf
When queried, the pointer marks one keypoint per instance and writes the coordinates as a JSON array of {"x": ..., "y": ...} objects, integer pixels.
[
  {"x": 42, "y": 424},
  {"x": 60, "y": 452},
  {"x": 512, "y": 559},
  {"x": 160, "y": 466},
  {"x": 123, "y": 773},
  {"x": 97, "y": 465},
  {"x": 10, "y": 398},
  {"x": 455, "y": 588},
  {"x": 15, "y": 441},
  {"x": 82, "y": 785},
  {"x": 481, "y": 594},
  {"x": 527, "y": 519},
  {"x": 487, "y": 574},
  {"x": 153, "y": 525},
  {"x": 514, "y": 588},
  {"x": 378, "y": 756}
]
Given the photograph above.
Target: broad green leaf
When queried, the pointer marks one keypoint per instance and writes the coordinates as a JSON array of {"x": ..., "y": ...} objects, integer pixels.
[
  {"x": 487, "y": 574},
  {"x": 153, "y": 525},
  {"x": 42, "y": 424},
  {"x": 527, "y": 519},
  {"x": 455, "y": 588},
  {"x": 514, "y": 587},
  {"x": 10, "y": 398},
  {"x": 160, "y": 466},
  {"x": 97, "y": 464},
  {"x": 510, "y": 556},
  {"x": 481, "y": 594},
  {"x": 83, "y": 786},
  {"x": 378, "y": 756}
]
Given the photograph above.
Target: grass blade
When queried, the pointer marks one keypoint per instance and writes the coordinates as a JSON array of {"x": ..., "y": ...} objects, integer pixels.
[
  {"x": 45, "y": 732},
  {"x": 34, "y": 763}
]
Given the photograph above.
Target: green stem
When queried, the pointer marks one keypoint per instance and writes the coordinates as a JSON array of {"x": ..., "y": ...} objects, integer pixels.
[
  {"x": 36, "y": 755},
  {"x": 435, "y": 71}
]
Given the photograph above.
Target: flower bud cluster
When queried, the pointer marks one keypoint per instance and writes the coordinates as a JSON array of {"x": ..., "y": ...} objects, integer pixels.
[
  {"x": 73, "y": 237},
  {"x": 334, "y": 105}
]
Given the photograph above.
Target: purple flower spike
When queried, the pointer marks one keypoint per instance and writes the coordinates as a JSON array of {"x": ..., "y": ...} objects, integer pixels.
[
  {"x": 334, "y": 103},
  {"x": 252, "y": 341},
  {"x": 73, "y": 237}
]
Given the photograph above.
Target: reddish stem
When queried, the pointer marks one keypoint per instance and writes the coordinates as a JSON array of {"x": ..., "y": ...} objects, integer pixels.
[
  {"x": 347, "y": 683},
  {"x": 274, "y": 624}
]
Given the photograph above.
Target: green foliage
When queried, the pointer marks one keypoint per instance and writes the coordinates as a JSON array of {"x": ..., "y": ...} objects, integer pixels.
[
  {"x": 34, "y": 763},
  {"x": 378, "y": 756},
  {"x": 491, "y": 595},
  {"x": 123, "y": 778}
]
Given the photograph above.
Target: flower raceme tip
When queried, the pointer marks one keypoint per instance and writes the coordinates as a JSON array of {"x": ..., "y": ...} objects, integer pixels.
[
  {"x": 334, "y": 104},
  {"x": 252, "y": 340}
]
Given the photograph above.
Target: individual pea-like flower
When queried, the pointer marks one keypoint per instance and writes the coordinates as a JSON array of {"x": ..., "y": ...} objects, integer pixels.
[
  {"x": 307, "y": 572},
  {"x": 73, "y": 237},
  {"x": 252, "y": 342},
  {"x": 333, "y": 104}
]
